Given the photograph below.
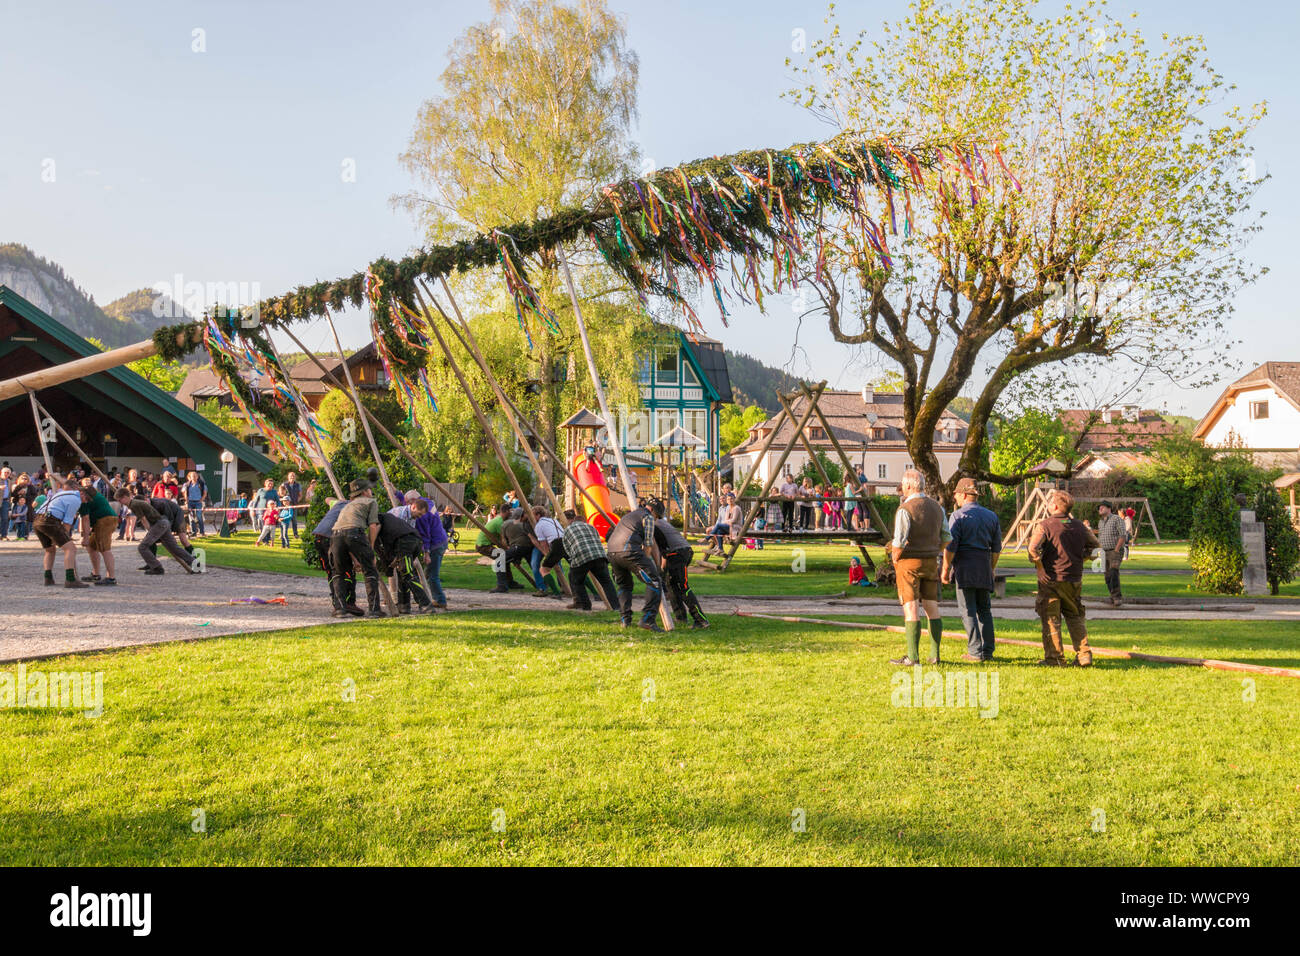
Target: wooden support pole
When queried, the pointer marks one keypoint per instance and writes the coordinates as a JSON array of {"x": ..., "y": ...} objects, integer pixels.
[
  {"x": 771, "y": 479},
  {"x": 401, "y": 448},
  {"x": 305, "y": 412},
  {"x": 472, "y": 348},
  {"x": 75, "y": 447},
  {"x": 665, "y": 615},
  {"x": 40, "y": 437},
  {"x": 466, "y": 336}
]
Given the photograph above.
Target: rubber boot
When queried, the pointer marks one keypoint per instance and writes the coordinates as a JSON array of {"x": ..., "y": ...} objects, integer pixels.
[{"x": 503, "y": 583}]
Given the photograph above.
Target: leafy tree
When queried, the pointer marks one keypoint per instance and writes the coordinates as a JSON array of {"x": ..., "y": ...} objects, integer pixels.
[
  {"x": 169, "y": 376},
  {"x": 1281, "y": 542},
  {"x": 336, "y": 408},
  {"x": 535, "y": 116},
  {"x": 1125, "y": 239},
  {"x": 1215, "y": 549},
  {"x": 834, "y": 471},
  {"x": 1032, "y": 437},
  {"x": 346, "y": 468},
  {"x": 224, "y": 417},
  {"x": 735, "y": 422}
]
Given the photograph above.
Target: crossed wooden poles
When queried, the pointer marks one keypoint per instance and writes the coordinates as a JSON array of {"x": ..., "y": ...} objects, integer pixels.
[{"x": 813, "y": 395}]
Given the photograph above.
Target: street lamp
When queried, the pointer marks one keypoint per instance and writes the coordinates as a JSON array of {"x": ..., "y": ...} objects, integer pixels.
[{"x": 226, "y": 458}]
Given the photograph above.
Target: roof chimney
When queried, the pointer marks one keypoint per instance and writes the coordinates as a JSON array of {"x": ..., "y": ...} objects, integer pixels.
[{"x": 868, "y": 395}]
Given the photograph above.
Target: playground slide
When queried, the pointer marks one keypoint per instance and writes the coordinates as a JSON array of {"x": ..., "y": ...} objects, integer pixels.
[{"x": 590, "y": 477}]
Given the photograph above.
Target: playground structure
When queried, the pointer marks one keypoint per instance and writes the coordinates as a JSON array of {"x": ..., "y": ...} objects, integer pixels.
[
  {"x": 874, "y": 532},
  {"x": 1035, "y": 510}
]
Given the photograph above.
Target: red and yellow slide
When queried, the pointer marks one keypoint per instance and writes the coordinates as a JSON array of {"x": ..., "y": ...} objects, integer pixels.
[{"x": 586, "y": 471}]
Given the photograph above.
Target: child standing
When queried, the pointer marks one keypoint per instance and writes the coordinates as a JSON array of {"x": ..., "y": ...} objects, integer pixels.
[
  {"x": 270, "y": 521},
  {"x": 18, "y": 518}
]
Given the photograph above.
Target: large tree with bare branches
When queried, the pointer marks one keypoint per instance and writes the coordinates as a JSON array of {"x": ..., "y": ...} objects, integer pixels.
[{"x": 1113, "y": 233}]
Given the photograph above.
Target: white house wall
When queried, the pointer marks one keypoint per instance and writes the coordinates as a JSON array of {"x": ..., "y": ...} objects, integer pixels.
[
  {"x": 1280, "y": 430},
  {"x": 895, "y": 462}
]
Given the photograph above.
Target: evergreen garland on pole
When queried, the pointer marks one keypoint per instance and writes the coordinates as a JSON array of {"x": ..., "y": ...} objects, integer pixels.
[{"x": 1215, "y": 549}]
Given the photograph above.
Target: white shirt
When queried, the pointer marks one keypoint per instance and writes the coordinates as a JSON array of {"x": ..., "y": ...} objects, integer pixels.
[{"x": 547, "y": 529}]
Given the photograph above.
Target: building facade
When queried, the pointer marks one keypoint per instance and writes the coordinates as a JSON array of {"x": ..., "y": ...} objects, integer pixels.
[
  {"x": 1259, "y": 412},
  {"x": 869, "y": 427}
]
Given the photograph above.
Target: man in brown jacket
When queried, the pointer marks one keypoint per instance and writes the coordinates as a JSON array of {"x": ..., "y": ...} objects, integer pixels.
[
  {"x": 920, "y": 530},
  {"x": 1058, "y": 549}
]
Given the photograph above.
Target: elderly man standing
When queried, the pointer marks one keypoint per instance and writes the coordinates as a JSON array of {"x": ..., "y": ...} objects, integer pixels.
[
  {"x": 1057, "y": 549},
  {"x": 1112, "y": 533},
  {"x": 920, "y": 531},
  {"x": 970, "y": 558}
]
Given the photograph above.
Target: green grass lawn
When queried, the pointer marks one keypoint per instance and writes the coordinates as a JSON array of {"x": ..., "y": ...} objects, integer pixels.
[
  {"x": 771, "y": 571},
  {"x": 549, "y": 719}
]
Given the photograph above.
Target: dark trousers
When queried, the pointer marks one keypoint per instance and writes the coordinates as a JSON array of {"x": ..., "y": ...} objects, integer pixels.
[
  {"x": 787, "y": 514},
  {"x": 323, "y": 553},
  {"x": 628, "y": 567},
  {"x": 976, "y": 609},
  {"x": 578, "y": 583},
  {"x": 161, "y": 532},
  {"x": 679, "y": 587},
  {"x": 1113, "y": 561},
  {"x": 409, "y": 551},
  {"x": 555, "y": 556},
  {"x": 344, "y": 547},
  {"x": 806, "y": 517}
]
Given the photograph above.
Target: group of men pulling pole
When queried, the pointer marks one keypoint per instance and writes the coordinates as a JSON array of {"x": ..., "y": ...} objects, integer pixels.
[{"x": 354, "y": 535}]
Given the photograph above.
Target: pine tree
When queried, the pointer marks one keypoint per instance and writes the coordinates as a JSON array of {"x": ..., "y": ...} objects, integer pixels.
[
  {"x": 1281, "y": 541},
  {"x": 1215, "y": 550}
]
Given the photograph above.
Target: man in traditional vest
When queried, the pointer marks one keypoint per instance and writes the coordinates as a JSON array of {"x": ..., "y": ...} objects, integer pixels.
[
  {"x": 920, "y": 531},
  {"x": 1057, "y": 549}
]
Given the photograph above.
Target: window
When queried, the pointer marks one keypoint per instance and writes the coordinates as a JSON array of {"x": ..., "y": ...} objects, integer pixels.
[
  {"x": 882, "y": 471},
  {"x": 1258, "y": 410},
  {"x": 638, "y": 429},
  {"x": 697, "y": 423},
  {"x": 643, "y": 369},
  {"x": 665, "y": 421},
  {"x": 688, "y": 375},
  {"x": 666, "y": 369}
]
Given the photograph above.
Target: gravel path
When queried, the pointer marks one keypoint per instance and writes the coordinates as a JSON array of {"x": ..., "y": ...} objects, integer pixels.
[{"x": 38, "y": 621}]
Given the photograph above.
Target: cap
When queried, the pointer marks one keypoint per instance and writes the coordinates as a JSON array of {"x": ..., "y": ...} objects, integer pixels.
[
  {"x": 1107, "y": 504},
  {"x": 967, "y": 487}
]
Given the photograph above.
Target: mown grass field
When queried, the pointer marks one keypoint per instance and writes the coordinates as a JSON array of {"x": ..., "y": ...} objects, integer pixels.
[
  {"x": 770, "y": 571},
  {"x": 550, "y": 719}
]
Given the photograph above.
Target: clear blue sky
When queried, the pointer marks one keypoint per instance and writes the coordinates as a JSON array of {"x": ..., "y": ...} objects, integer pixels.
[{"x": 225, "y": 166}]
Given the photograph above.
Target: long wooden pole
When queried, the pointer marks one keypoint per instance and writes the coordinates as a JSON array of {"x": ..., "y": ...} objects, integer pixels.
[
  {"x": 75, "y": 447},
  {"x": 401, "y": 448},
  {"x": 625, "y": 476},
  {"x": 40, "y": 436},
  {"x": 77, "y": 368},
  {"x": 305, "y": 412},
  {"x": 365, "y": 421},
  {"x": 497, "y": 448},
  {"x": 466, "y": 337}
]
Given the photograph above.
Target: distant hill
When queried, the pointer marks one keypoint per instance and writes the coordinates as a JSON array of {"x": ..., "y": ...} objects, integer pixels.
[
  {"x": 45, "y": 285},
  {"x": 753, "y": 383},
  {"x": 139, "y": 307}
]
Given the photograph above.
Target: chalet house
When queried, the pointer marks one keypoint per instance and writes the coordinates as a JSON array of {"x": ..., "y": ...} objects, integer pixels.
[
  {"x": 868, "y": 426},
  {"x": 202, "y": 384},
  {"x": 684, "y": 382},
  {"x": 1261, "y": 413}
]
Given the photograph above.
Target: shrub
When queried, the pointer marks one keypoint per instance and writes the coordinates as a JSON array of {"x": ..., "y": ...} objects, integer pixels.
[
  {"x": 346, "y": 469},
  {"x": 1281, "y": 542},
  {"x": 1215, "y": 549}
]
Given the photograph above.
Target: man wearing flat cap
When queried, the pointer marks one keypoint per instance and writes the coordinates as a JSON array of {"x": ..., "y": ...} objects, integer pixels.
[
  {"x": 970, "y": 558},
  {"x": 353, "y": 536}
]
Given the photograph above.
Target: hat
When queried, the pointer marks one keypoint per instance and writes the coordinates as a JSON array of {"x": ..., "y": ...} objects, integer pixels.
[
  {"x": 967, "y": 487},
  {"x": 1107, "y": 504},
  {"x": 358, "y": 486}
]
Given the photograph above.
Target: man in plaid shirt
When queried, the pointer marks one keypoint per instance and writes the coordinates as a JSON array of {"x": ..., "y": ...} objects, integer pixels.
[
  {"x": 580, "y": 544},
  {"x": 1113, "y": 535}
]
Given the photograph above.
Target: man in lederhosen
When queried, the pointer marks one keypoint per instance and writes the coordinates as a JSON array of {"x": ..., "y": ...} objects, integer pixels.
[
  {"x": 677, "y": 556},
  {"x": 399, "y": 548},
  {"x": 353, "y": 537},
  {"x": 631, "y": 546},
  {"x": 920, "y": 532}
]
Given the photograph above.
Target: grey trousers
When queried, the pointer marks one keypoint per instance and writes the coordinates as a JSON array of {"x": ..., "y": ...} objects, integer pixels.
[{"x": 160, "y": 532}]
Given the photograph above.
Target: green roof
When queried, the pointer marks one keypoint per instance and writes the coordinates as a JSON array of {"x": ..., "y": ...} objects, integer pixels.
[{"x": 146, "y": 390}]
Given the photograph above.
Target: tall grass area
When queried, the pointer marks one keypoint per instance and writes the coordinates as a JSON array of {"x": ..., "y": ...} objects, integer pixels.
[{"x": 586, "y": 744}]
